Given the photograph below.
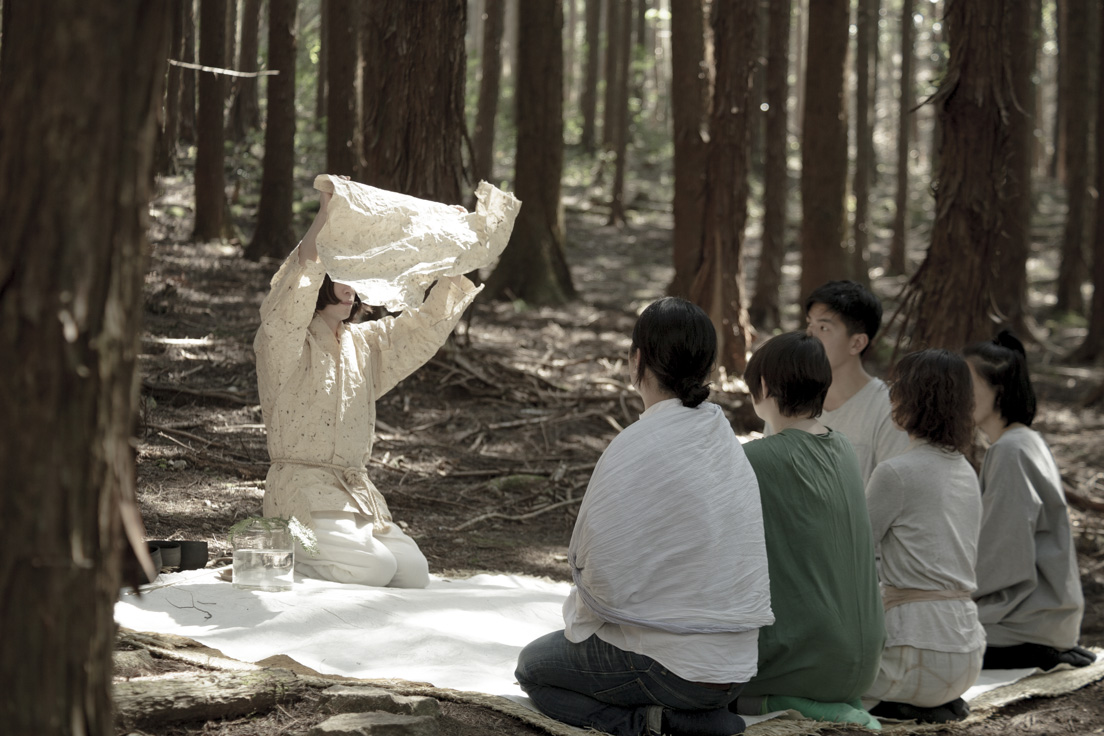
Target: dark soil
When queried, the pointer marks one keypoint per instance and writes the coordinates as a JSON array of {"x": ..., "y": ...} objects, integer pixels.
[{"x": 485, "y": 452}]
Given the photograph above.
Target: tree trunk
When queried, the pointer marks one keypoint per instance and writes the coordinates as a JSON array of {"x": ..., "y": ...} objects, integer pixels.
[
  {"x": 274, "y": 235},
  {"x": 621, "y": 135},
  {"x": 765, "y": 311},
  {"x": 245, "y": 112},
  {"x": 533, "y": 266},
  {"x": 72, "y": 263},
  {"x": 170, "y": 129},
  {"x": 1015, "y": 241},
  {"x": 323, "y": 72},
  {"x": 689, "y": 108},
  {"x": 188, "y": 76},
  {"x": 487, "y": 110},
  {"x": 866, "y": 27},
  {"x": 342, "y": 59},
  {"x": 1077, "y": 112},
  {"x": 210, "y": 181},
  {"x": 1061, "y": 27},
  {"x": 609, "y": 108},
  {"x": 800, "y": 53},
  {"x": 230, "y": 58},
  {"x": 415, "y": 147},
  {"x": 898, "y": 261},
  {"x": 719, "y": 285},
  {"x": 590, "y": 88},
  {"x": 569, "y": 58},
  {"x": 947, "y": 302},
  {"x": 1092, "y": 349},
  {"x": 824, "y": 146}
]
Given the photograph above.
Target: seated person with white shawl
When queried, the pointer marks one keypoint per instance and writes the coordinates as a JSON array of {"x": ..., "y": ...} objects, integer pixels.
[
  {"x": 821, "y": 654},
  {"x": 668, "y": 558}
]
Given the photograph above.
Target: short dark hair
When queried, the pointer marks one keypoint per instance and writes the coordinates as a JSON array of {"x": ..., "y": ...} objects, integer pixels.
[
  {"x": 856, "y": 305},
  {"x": 327, "y": 296},
  {"x": 933, "y": 398},
  {"x": 1002, "y": 363},
  {"x": 678, "y": 343},
  {"x": 796, "y": 372}
]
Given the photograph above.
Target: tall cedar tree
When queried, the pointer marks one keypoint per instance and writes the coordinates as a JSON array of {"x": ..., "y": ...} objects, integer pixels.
[
  {"x": 824, "y": 146},
  {"x": 1092, "y": 349},
  {"x": 866, "y": 23},
  {"x": 620, "y": 80},
  {"x": 342, "y": 59},
  {"x": 487, "y": 109},
  {"x": 188, "y": 76},
  {"x": 274, "y": 234},
  {"x": 245, "y": 111},
  {"x": 170, "y": 125},
  {"x": 210, "y": 182},
  {"x": 765, "y": 311},
  {"x": 609, "y": 106},
  {"x": 947, "y": 301},
  {"x": 414, "y": 147},
  {"x": 898, "y": 245},
  {"x": 72, "y": 263},
  {"x": 719, "y": 285},
  {"x": 533, "y": 267},
  {"x": 1015, "y": 242},
  {"x": 589, "y": 99},
  {"x": 689, "y": 110},
  {"x": 1076, "y": 55}
]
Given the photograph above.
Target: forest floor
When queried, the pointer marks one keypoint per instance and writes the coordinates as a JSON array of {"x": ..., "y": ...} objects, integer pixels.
[{"x": 485, "y": 452}]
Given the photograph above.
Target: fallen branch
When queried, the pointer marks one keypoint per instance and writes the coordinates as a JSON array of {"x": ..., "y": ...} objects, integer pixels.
[
  {"x": 209, "y": 394},
  {"x": 519, "y": 517}
]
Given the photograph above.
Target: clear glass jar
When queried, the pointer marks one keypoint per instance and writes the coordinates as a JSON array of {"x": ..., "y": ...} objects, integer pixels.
[{"x": 264, "y": 555}]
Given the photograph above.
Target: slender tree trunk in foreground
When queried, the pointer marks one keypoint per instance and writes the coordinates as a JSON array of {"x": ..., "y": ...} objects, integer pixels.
[{"x": 72, "y": 263}]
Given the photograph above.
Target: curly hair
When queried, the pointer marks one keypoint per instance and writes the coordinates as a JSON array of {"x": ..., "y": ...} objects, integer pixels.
[
  {"x": 1002, "y": 363},
  {"x": 933, "y": 398},
  {"x": 796, "y": 372}
]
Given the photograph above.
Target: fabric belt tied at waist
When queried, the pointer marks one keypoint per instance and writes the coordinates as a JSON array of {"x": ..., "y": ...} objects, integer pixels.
[
  {"x": 366, "y": 496},
  {"x": 893, "y": 597}
]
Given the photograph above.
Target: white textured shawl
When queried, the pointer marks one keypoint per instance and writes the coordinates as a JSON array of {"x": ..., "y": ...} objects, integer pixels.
[
  {"x": 670, "y": 533},
  {"x": 390, "y": 246}
]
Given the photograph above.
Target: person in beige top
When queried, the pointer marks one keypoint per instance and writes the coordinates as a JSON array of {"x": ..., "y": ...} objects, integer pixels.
[{"x": 319, "y": 374}]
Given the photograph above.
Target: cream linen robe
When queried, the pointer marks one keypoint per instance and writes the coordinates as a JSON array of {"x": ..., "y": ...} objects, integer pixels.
[{"x": 318, "y": 393}]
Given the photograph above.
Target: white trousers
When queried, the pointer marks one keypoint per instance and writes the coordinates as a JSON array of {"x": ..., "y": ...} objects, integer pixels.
[
  {"x": 924, "y": 677},
  {"x": 350, "y": 551}
]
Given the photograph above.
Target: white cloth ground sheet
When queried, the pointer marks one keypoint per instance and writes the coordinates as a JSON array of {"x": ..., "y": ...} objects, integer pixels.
[{"x": 459, "y": 634}]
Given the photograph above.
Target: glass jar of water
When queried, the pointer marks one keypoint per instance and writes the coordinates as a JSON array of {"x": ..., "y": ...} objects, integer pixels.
[{"x": 264, "y": 554}]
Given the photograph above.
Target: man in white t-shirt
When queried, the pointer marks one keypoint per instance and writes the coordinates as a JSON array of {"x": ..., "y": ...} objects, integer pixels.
[{"x": 845, "y": 317}]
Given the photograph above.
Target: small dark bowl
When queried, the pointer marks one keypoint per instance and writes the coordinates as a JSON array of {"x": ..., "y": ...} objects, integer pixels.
[
  {"x": 193, "y": 555},
  {"x": 155, "y": 553}
]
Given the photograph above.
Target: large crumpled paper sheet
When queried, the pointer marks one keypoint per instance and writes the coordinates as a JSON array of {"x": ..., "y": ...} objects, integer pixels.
[{"x": 390, "y": 247}]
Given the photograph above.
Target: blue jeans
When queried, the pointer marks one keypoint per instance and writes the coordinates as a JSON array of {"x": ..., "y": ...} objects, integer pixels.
[{"x": 595, "y": 684}]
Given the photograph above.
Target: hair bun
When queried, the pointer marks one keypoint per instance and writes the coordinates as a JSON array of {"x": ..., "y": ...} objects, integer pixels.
[
  {"x": 1006, "y": 339},
  {"x": 692, "y": 392}
]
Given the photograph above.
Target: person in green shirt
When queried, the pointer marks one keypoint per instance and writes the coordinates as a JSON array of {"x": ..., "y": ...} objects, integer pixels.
[{"x": 822, "y": 652}]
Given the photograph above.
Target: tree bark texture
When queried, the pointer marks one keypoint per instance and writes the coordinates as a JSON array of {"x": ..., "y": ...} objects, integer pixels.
[
  {"x": 948, "y": 302},
  {"x": 1076, "y": 56},
  {"x": 245, "y": 111},
  {"x": 170, "y": 127},
  {"x": 1061, "y": 29},
  {"x": 866, "y": 35},
  {"x": 414, "y": 52},
  {"x": 188, "y": 76},
  {"x": 689, "y": 110},
  {"x": 72, "y": 263},
  {"x": 719, "y": 284},
  {"x": 274, "y": 235},
  {"x": 898, "y": 261},
  {"x": 765, "y": 311},
  {"x": 1092, "y": 349},
  {"x": 824, "y": 146},
  {"x": 533, "y": 267},
  {"x": 210, "y": 180},
  {"x": 484, "y": 136},
  {"x": 342, "y": 59},
  {"x": 590, "y": 86},
  {"x": 1015, "y": 242},
  {"x": 609, "y": 108},
  {"x": 621, "y": 134}
]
